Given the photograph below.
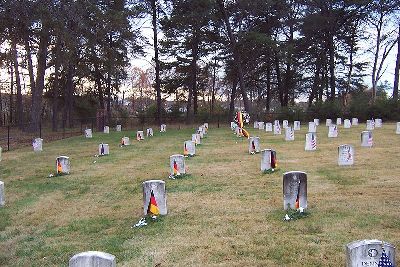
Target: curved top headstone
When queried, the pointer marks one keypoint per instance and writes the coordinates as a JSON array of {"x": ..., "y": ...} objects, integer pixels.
[
  {"x": 368, "y": 252},
  {"x": 92, "y": 259}
]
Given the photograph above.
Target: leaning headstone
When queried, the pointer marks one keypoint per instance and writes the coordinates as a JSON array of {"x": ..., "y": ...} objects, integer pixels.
[
  {"x": 397, "y": 132},
  {"x": 339, "y": 121},
  {"x": 62, "y": 165},
  {"x": 255, "y": 125},
  {"x": 311, "y": 142},
  {"x": 118, "y": 128},
  {"x": 196, "y": 139},
  {"x": 328, "y": 122},
  {"x": 2, "y": 197},
  {"x": 345, "y": 155},
  {"x": 125, "y": 141},
  {"x": 106, "y": 129},
  {"x": 163, "y": 128},
  {"x": 316, "y": 121},
  {"x": 269, "y": 161},
  {"x": 295, "y": 190},
  {"x": 37, "y": 144},
  {"x": 354, "y": 121},
  {"x": 312, "y": 127},
  {"x": 139, "y": 135},
  {"x": 366, "y": 139},
  {"x": 261, "y": 125},
  {"x": 149, "y": 132},
  {"x": 369, "y": 252},
  {"x": 92, "y": 259},
  {"x": 177, "y": 165},
  {"x": 333, "y": 131},
  {"x": 296, "y": 125},
  {"x": 289, "y": 134},
  {"x": 285, "y": 124},
  {"x": 88, "y": 133},
  {"x": 154, "y": 198},
  {"x": 254, "y": 144},
  {"x": 189, "y": 148},
  {"x": 104, "y": 149},
  {"x": 347, "y": 124},
  {"x": 268, "y": 127},
  {"x": 277, "y": 128},
  {"x": 378, "y": 123},
  {"x": 370, "y": 125}
]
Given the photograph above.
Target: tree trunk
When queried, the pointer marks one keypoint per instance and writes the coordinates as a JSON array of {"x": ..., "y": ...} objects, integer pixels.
[
  {"x": 11, "y": 93},
  {"x": 195, "y": 51},
  {"x": 397, "y": 69},
  {"x": 69, "y": 94},
  {"x": 41, "y": 69},
  {"x": 236, "y": 56},
  {"x": 157, "y": 61},
  {"x": 376, "y": 57},
  {"x": 278, "y": 80},
  {"x": 315, "y": 84},
  {"x": 32, "y": 83},
  {"x": 332, "y": 79},
  {"x": 213, "y": 88},
  {"x": 56, "y": 85},
  {"x": 268, "y": 96},
  {"x": 19, "y": 111},
  {"x": 232, "y": 101},
  {"x": 108, "y": 97}
]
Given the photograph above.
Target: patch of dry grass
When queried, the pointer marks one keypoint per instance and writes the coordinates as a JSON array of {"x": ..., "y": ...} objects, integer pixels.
[{"x": 226, "y": 213}]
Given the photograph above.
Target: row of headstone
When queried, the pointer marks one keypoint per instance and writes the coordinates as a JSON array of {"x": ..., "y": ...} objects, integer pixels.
[{"x": 276, "y": 127}]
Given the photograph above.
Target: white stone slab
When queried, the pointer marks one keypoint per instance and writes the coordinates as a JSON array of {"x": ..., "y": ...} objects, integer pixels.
[
  {"x": 333, "y": 131},
  {"x": 345, "y": 155},
  {"x": 125, "y": 141},
  {"x": 88, "y": 133},
  {"x": 297, "y": 125},
  {"x": 347, "y": 124},
  {"x": 368, "y": 253},
  {"x": 268, "y": 127},
  {"x": 189, "y": 148},
  {"x": 268, "y": 160},
  {"x": 157, "y": 187},
  {"x": 295, "y": 190},
  {"x": 106, "y": 129},
  {"x": 311, "y": 142},
  {"x": 149, "y": 132},
  {"x": 104, "y": 149},
  {"x": 37, "y": 144},
  {"x": 367, "y": 139},
  {"x": 63, "y": 165},
  {"x": 254, "y": 144},
  {"x": 289, "y": 134},
  {"x": 354, "y": 121},
  {"x": 177, "y": 165},
  {"x": 139, "y": 135},
  {"x": 118, "y": 128},
  {"x": 93, "y": 259},
  {"x": 312, "y": 127}
]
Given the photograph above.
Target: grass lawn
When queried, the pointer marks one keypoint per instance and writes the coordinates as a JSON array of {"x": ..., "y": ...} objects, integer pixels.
[{"x": 226, "y": 213}]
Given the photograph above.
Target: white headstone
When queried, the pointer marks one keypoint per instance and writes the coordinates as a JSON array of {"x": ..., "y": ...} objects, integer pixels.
[
  {"x": 139, "y": 135},
  {"x": 156, "y": 189},
  {"x": 268, "y": 160},
  {"x": 370, "y": 125},
  {"x": 37, "y": 144},
  {"x": 312, "y": 128},
  {"x": 92, "y": 259},
  {"x": 254, "y": 144},
  {"x": 206, "y": 126},
  {"x": 345, "y": 155},
  {"x": 2, "y": 196},
  {"x": 118, "y": 128},
  {"x": 339, "y": 121},
  {"x": 378, "y": 123},
  {"x": 106, "y": 129},
  {"x": 189, "y": 148},
  {"x": 347, "y": 124},
  {"x": 88, "y": 133},
  {"x": 238, "y": 132},
  {"x": 289, "y": 134},
  {"x": 354, "y": 121},
  {"x": 332, "y": 131},
  {"x": 295, "y": 190},
  {"x": 277, "y": 129},
  {"x": 296, "y": 125},
  {"x": 233, "y": 125},
  {"x": 316, "y": 121},
  {"x": 197, "y": 139},
  {"x": 261, "y": 125},
  {"x": 125, "y": 141},
  {"x": 285, "y": 124},
  {"x": 368, "y": 253},
  {"x": 328, "y": 122},
  {"x": 397, "y": 132},
  {"x": 163, "y": 128},
  {"x": 366, "y": 139},
  {"x": 62, "y": 165},
  {"x": 104, "y": 149},
  {"x": 149, "y": 132},
  {"x": 200, "y": 132},
  {"x": 255, "y": 125},
  {"x": 268, "y": 127},
  {"x": 311, "y": 141},
  {"x": 177, "y": 165}
]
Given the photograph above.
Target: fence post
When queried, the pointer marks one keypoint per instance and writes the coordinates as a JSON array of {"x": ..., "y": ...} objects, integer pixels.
[{"x": 8, "y": 138}]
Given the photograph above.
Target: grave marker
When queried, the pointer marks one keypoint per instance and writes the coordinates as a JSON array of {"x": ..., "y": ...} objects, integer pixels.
[
  {"x": 206, "y": 126},
  {"x": 2, "y": 195},
  {"x": 378, "y": 123},
  {"x": 368, "y": 253},
  {"x": 370, "y": 125},
  {"x": 345, "y": 155},
  {"x": 254, "y": 144},
  {"x": 104, "y": 149},
  {"x": 196, "y": 139},
  {"x": 296, "y": 125},
  {"x": 118, "y": 128},
  {"x": 289, "y": 134},
  {"x": 125, "y": 141},
  {"x": 295, "y": 190},
  {"x": 261, "y": 125},
  {"x": 277, "y": 128},
  {"x": 311, "y": 142},
  {"x": 37, "y": 144},
  {"x": 177, "y": 165},
  {"x": 269, "y": 161},
  {"x": 312, "y": 127},
  {"x": 149, "y": 132},
  {"x": 163, "y": 128},
  {"x": 366, "y": 139},
  {"x": 139, "y": 135},
  {"x": 316, "y": 121},
  {"x": 233, "y": 125},
  {"x": 88, "y": 133},
  {"x": 332, "y": 131},
  {"x": 106, "y": 130},
  {"x": 200, "y": 132},
  {"x": 328, "y": 122},
  {"x": 189, "y": 148},
  {"x": 347, "y": 124},
  {"x": 268, "y": 127},
  {"x": 354, "y": 121},
  {"x": 154, "y": 198},
  {"x": 397, "y": 132},
  {"x": 255, "y": 125},
  {"x": 62, "y": 165},
  {"x": 339, "y": 121},
  {"x": 285, "y": 124},
  {"x": 92, "y": 259}
]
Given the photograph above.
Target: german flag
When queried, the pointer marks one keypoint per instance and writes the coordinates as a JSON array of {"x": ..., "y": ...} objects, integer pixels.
[
  {"x": 176, "y": 171},
  {"x": 245, "y": 133},
  {"x": 59, "y": 167},
  {"x": 240, "y": 119},
  {"x": 297, "y": 204},
  {"x": 102, "y": 150},
  {"x": 122, "y": 141},
  {"x": 273, "y": 160},
  {"x": 153, "y": 207},
  {"x": 185, "y": 151},
  {"x": 253, "y": 146}
]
